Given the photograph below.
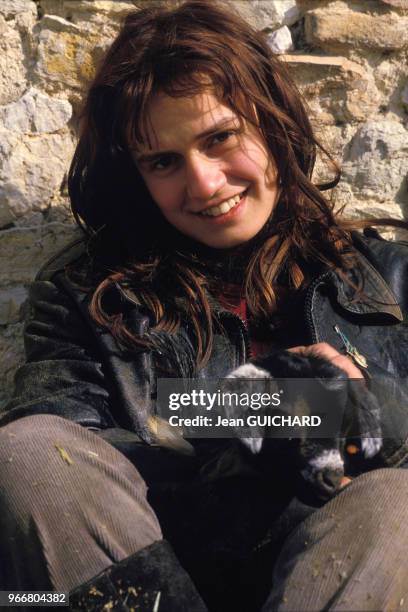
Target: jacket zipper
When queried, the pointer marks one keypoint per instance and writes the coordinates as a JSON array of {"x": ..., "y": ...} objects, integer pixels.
[
  {"x": 351, "y": 350},
  {"x": 308, "y": 305},
  {"x": 358, "y": 359},
  {"x": 126, "y": 295}
]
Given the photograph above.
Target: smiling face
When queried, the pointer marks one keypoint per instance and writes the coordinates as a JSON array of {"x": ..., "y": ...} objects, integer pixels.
[{"x": 210, "y": 175}]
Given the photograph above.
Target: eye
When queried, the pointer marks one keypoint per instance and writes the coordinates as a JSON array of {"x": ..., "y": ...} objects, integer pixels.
[
  {"x": 163, "y": 162},
  {"x": 221, "y": 137}
]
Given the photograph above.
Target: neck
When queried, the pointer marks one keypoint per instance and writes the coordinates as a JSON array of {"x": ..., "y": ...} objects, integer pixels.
[{"x": 226, "y": 265}]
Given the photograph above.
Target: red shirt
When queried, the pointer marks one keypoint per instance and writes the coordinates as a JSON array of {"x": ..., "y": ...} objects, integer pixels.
[{"x": 238, "y": 306}]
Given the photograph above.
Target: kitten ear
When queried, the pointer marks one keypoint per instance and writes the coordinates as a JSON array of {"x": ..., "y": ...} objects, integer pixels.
[
  {"x": 366, "y": 407},
  {"x": 250, "y": 371},
  {"x": 371, "y": 446},
  {"x": 254, "y": 444}
]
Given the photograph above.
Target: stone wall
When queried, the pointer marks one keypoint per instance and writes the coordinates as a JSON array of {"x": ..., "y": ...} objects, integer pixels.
[{"x": 349, "y": 58}]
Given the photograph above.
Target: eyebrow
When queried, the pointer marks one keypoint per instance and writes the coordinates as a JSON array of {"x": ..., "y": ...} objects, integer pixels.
[{"x": 219, "y": 125}]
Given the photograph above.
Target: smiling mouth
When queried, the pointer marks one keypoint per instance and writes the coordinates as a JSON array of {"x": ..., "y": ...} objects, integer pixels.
[{"x": 224, "y": 207}]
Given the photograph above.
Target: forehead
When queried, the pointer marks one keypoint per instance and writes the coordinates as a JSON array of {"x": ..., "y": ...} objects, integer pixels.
[{"x": 172, "y": 120}]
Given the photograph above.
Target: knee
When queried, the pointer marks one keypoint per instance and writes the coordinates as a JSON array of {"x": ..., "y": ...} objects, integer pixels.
[
  {"x": 25, "y": 445},
  {"x": 29, "y": 434},
  {"x": 56, "y": 451},
  {"x": 383, "y": 483}
]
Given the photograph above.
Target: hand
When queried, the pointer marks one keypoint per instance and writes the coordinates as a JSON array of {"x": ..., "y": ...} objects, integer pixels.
[{"x": 325, "y": 350}]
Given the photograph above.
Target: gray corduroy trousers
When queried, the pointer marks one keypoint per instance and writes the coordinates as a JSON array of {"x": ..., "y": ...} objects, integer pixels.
[{"x": 71, "y": 505}]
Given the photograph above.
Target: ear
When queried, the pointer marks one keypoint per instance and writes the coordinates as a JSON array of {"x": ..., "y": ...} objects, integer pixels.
[
  {"x": 371, "y": 446},
  {"x": 366, "y": 408},
  {"x": 250, "y": 371},
  {"x": 254, "y": 444}
]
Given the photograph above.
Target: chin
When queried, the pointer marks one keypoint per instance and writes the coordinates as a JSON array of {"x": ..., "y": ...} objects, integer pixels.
[
  {"x": 227, "y": 242},
  {"x": 225, "y": 245}
]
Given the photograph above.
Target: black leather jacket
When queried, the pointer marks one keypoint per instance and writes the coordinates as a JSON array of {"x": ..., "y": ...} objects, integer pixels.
[{"x": 76, "y": 370}]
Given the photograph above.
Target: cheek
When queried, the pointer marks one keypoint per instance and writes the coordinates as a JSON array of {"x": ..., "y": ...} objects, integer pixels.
[
  {"x": 165, "y": 192},
  {"x": 252, "y": 164},
  {"x": 241, "y": 167}
]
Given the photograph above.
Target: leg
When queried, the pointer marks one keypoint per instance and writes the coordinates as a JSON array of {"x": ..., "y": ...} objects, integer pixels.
[
  {"x": 71, "y": 505},
  {"x": 352, "y": 553}
]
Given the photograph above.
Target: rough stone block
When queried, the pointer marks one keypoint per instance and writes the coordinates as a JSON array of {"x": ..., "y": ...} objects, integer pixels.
[
  {"x": 404, "y": 96},
  {"x": 336, "y": 26},
  {"x": 363, "y": 207},
  {"x": 67, "y": 55},
  {"x": 278, "y": 12},
  {"x": 337, "y": 90},
  {"x": 36, "y": 113},
  {"x": 11, "y": 300},
  {"x": 403, "y": 4},
  {"x": 13, "y": 81},
  {"x": 267, "y": 14},
  {"x": 32, "y": 168},
  {"x": 375, "y": 163},
  {"x": 79, "y": 11},
  {"x": 389, "y": 78},
  {"x": 280, "y": 41},
  {"x": 10, "y": 8},
  {"x": 24, "y": 250}
]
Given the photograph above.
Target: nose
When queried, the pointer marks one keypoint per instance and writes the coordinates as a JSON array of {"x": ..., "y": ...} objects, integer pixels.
[
  {"x": 204, "y": 177},
  {"x": 328, "y": 482}
]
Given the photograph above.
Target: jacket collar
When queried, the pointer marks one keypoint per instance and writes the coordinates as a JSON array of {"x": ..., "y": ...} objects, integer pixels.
[{"x": 376, "y": 297}]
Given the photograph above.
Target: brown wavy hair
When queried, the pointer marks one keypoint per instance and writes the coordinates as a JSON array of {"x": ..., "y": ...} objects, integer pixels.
[{"x": 180, "y": 51}]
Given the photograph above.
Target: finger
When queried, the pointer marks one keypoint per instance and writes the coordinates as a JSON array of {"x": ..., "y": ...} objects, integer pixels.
[
  {"x": 320, "y": 349},
  {"x": 297, "y": 349},
  {"x": 345, "y": 364},
  {"x": 323, "y": 349},
  {"x": 326, "y": 351}
]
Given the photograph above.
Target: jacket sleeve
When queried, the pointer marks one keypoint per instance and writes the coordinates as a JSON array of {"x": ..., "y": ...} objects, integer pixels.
[{"x": 63, "y": 374}]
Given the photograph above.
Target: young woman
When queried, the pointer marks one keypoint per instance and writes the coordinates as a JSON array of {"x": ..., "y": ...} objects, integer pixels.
[{"x": 207, "y": 243}]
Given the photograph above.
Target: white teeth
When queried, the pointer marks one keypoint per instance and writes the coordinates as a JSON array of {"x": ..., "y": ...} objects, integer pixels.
[{"x": 222, "y": 208}]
